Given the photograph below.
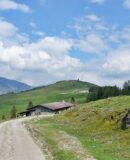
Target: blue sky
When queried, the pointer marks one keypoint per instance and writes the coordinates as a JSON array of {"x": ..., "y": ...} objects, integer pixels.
[{"x": 45, "y": 41}]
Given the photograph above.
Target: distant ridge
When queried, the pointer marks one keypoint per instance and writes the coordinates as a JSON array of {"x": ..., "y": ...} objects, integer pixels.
[{"x": 7, "y": 86}]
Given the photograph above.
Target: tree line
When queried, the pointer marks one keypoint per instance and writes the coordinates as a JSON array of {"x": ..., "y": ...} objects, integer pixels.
[{"x": 96, "y": 93}]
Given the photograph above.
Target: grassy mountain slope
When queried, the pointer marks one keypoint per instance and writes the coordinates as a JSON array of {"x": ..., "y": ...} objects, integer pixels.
[
  {"x": 97, "y": 125},
  {"x": 59, "y": 91}
]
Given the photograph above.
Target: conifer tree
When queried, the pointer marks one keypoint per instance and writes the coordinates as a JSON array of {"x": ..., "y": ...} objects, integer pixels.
[
  {"x": 126, "y": 88},
  {"x": 13, "y": 112},
  {"x": 30, "y": 105}
]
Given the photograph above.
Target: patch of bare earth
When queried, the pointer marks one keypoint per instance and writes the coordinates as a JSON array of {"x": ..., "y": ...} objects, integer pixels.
[{"x": 70, "y": 143}]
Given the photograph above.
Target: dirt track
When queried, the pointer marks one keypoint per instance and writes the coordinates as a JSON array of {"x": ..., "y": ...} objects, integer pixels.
[{"x": 16, "y": 143}]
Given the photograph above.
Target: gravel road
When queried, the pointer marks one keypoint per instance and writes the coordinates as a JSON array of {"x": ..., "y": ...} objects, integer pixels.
[{"x": 16, "y": 143}]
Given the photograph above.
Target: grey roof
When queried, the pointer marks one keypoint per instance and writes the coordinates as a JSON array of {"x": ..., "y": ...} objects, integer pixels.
[
  {"x": 57, "y": 105},
  {"x": 54, "y": 106}
]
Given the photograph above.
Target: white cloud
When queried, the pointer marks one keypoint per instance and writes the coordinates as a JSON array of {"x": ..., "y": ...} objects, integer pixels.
[
  {"x": 93, "y": 17},
  {"x": 12, "y": 5},
  {"x": 97, "y": 1},
  {"x": 118, "y": 61},
  {"x": 48, "y": 59},
  {"x": 91, "y": 31},
  {"x": 127, "y": 3},
  {"x": 49, "y": 55},
  {"x": 38, "y": 33},
  {"x": 35, "y": 31},
  {"x": 33, "y": 25},
  {"x": 21, "y": 60},
  {"x": 7, "y": 29},
  {"x": 90, "y": 76},
  {"x": 93, "y": 43},
  {"x": 9, "y": 34},
  {"x": 111, "y": 45}
]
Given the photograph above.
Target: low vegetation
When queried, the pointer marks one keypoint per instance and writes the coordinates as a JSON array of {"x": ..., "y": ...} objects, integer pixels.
[{"x": 96, "y": 125}]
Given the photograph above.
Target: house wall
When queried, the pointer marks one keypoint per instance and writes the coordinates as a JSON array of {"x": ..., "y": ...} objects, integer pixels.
[{"x": 39, "y": 111}]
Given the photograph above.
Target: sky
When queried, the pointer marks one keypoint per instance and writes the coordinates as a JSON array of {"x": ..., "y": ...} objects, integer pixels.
[{"x": 43, "y": 41}]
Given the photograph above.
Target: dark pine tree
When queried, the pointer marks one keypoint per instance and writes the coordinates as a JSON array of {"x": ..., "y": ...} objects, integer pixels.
[
  {"x": 13, "y": 112},
  {"x": 30, "y": 105},
  {"x": 126, "y": 88}
]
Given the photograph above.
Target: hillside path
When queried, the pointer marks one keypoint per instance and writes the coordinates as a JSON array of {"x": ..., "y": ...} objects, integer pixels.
[{"x": 16, "y": 143}]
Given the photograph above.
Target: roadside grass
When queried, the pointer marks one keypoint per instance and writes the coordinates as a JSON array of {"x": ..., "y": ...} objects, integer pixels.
[
  {"x": 97, "y": 125},
  {"x": 49, "y": 139}
]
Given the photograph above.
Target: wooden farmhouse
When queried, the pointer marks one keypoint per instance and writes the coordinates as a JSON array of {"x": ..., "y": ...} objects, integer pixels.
[{"x": 46, "y": 108}]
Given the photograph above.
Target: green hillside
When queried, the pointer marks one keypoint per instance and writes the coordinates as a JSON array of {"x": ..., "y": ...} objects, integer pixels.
[
  {"x": 59, "y": 91},
  {"x": 97, "y": 125}
]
